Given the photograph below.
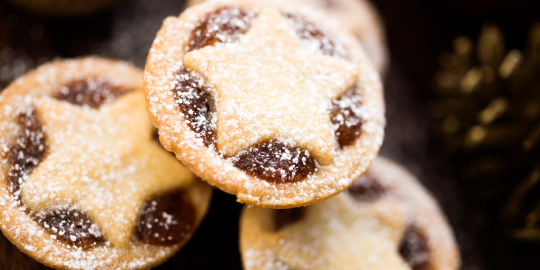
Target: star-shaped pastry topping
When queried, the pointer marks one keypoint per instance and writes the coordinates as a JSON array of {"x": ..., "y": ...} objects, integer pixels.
[
  {"x": 104, "y": 162},
  {"x": 334, "y": 234},
  {"x": 269, "y": 87},
  {"x": 346, "y": 234}
]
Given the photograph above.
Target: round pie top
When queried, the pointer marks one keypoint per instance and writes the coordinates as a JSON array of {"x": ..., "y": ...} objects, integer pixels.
[
  {"x": 84, "y": 183},
  {"x": 386, "y": 220},
  {"x": 261, "y": 103},
  {"x": 361, "y": 18},
  {"x": 267, "y": 100}
]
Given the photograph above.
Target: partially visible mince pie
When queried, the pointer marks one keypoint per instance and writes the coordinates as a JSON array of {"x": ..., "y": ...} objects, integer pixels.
[
  {"x": 268, "y": 100},
  {"x": 361, "y": 18},
  {"x": 386, "y": 220},
  {"x": 83, "y": 182}
]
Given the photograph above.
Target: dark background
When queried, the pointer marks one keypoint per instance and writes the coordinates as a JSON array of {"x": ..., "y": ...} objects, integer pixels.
[{"x": 418, "y": 31}]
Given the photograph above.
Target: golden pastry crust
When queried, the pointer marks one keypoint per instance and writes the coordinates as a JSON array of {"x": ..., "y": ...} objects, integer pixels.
[
  {"x": 344, "y": 232},
  {"x": 166, "y": 58},
  {"x": 100, "y": 161},
  {"x": 10, "y": 255},
  {"x": 362, "y": 18},
  {"x": 365, "y": 23}
]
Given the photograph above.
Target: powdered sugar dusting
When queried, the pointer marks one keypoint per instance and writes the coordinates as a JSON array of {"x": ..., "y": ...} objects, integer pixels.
[
  {"x": 361, "y": 18},
  {"x": 314, "y": 38},
  {"x": 99, "y": 167},
  {"x": 276, "y": 161},
  {"x": 301, "y": 88},
  {"x": 108, "y": 180},
  {"x": 194, "y": 98},
  {"x": 166, "y": 58},
  {"x": 342, "y": 233},
  {"x": 222, "y": 26}
]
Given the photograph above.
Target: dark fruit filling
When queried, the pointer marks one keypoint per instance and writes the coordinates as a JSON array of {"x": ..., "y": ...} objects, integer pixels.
[
  {"x": 414, "y": 249},
  {"x": 71, "y": 227},
  {"x": 92, "y": 92},
  {"x": 346, "y": 117},
  {"x": 221, "y": 26},
  {"x": 167, "y": 219},
  {"x": 276, "y": 162},
  {"x": 271, "y": 161},
  {"x": 314, "y": 37},
  {"x": 268, "y": 161},
  {"x": 366, "y": 188},
  {"x": 27, "y": 151},
  {"x": 286, "y": 217},
  {"x": 197, "y": 104}
]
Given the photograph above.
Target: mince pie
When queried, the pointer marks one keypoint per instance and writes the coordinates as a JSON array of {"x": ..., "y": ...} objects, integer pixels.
[
  {"x": 386, "y": 220},
  {"x": 84, "y": 183},
  {"x": 267, "y": 100},
  {"x": 361, "y": 18}
]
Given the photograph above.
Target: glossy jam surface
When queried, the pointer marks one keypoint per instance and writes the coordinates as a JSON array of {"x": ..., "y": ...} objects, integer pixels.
[
  {"x": 167, "y": 219},
  {"x": 276, "y": 162},
  {"x": 91, "y": 92}
]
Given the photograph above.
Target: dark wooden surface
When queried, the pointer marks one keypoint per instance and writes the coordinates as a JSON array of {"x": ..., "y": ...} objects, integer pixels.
[{"x": 418, "y": 31}]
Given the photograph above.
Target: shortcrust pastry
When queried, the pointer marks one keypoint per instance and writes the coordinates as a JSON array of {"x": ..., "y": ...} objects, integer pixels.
[
  {"x": 267, "y": 100},
  {"x": 386, "y": 220},
  {"x": 84, "y": 183},
  {"x": 360, "y": 17}
]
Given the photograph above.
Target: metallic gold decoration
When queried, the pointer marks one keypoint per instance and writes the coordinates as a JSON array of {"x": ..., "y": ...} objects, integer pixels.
[{"x": 487, "y": 110}]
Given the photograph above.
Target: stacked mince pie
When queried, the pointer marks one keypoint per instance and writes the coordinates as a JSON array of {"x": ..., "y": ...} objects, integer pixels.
[
  {"x": 276, "y": 102},
  {"x": 268, "y": 100},
  {"x": 85, "y": 182}
]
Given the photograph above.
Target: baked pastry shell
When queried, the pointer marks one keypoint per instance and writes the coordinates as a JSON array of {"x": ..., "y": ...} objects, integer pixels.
[
  {"x": 362, "y": 19},
  {"x": 20, "y": 228},
  {"x": 165, "y": 58},
  {"x": 402, "y": 188}
]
